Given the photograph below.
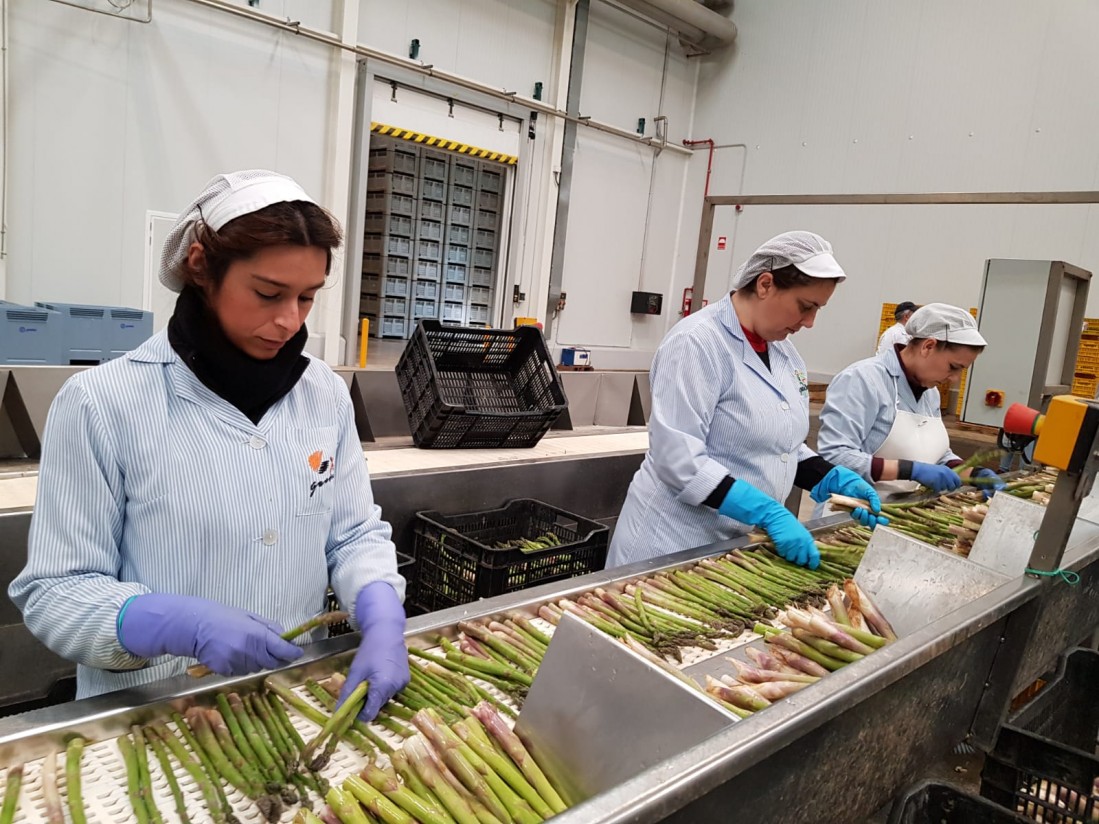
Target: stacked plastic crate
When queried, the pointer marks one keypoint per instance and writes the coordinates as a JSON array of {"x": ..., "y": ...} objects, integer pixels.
[
  {"x": 431, "y": 223},
  {"x": 1085, "y": 383},
  {"x": 389, "y": 236},
  {"x": 486, "y": 235},
  {"x": 459, "y": 234}
]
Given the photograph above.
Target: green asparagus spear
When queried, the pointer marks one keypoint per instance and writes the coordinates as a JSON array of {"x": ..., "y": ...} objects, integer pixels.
[{"x": 73, "y": 754}]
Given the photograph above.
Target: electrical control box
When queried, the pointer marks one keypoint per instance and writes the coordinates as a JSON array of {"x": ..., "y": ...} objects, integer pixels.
[
  {"x": 1031, "y": 314},
  {"x": 575, "y": 356},
  {"x": 646, "y": 303}
]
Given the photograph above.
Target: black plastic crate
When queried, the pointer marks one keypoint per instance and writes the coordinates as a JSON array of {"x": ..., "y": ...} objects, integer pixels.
[
  {"x": 478, "y": 388},
  {"x": 457, "y": 560},
  {"x": 931, "y": 802},
  {"x": 1044, "y": 764}
]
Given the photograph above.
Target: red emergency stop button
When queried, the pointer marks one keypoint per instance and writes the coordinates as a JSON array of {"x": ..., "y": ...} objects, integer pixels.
[{"x": 994, "y": 398}]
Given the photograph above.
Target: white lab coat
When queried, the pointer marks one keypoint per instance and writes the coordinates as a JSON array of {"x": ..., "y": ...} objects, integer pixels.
[
  {"x": 716, "y": 411},
  {"x": 890, "y": 337}
]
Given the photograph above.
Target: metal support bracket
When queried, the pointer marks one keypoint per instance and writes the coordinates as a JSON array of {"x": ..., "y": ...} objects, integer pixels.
[
  {"x": 916, "y": 584},
  {"x": 586, "y": 682}
]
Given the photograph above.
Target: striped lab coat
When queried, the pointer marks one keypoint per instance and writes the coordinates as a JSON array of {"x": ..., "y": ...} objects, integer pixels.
[
  {"x": 716, "y": 411},
  {"x": 150, "y": 482}
]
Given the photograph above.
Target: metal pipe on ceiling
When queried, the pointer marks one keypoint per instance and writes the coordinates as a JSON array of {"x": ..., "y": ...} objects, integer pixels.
[
  {"x": 329, "y": 39},
  {"x": 691, "y": 20}
]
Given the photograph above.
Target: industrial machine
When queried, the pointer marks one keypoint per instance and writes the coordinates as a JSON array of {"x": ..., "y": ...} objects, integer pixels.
[
  {"x": 93, "y": 334},
  {"x": 973, "y": 632},
  {"x": 1031, "y": 313},
  {"x": 30, "y": 335}
]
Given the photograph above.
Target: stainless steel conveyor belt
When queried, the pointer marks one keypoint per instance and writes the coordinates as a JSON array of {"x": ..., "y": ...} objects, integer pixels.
[{"x": 833, "y": 753}]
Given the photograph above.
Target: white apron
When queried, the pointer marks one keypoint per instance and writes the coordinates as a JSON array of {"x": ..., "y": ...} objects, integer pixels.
[{"x": 912, "y": 437}]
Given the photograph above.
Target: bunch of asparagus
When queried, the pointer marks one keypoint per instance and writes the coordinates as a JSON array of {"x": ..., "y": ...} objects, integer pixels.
[
  {"x": 475, "y": 771},
  {"x": 715, "y": 598},
  {"x": 952, "y": 521},
  {"x": 814, "y": 644},
  {"x": 544, "y": 541},
  {"x": 247, "y": 743},
  {"x": 504, "y": 654}
]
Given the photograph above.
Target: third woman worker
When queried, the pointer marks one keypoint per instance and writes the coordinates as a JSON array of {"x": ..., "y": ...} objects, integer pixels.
[
  {"x": 881, "y": 417},
  {"x": 730, "y": 413}
]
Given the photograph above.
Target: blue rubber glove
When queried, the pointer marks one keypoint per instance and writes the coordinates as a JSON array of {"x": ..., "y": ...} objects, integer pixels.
[
  {"x": 994, "y": 483},
  {"x": 744, "y": 503},
  {"x": 936, "y": 476},
  {"x": 228, "y": 640},
  {"x": 842, "y": 481},
  {"x": 382, "y": 659}
]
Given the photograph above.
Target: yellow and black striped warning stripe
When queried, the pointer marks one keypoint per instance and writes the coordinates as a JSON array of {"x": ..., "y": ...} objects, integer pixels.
[{"x": 443, "y": 143}]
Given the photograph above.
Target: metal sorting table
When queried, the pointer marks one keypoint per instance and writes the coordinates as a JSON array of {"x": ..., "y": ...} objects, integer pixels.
[{"x": 834, "y": 752}]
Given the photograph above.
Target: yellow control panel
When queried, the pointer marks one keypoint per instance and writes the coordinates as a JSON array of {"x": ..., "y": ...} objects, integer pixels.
[{"x": 1067, "y": 433}]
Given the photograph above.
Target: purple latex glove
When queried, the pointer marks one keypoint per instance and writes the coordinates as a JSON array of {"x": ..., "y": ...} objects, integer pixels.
[
  {"x": 228, "y": 640},
  {"x": 382, "y": 659}
]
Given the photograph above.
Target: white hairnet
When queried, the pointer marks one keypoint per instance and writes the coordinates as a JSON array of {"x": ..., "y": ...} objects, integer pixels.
[
  {"x": 224, "y": 198},
  {"x": 941, "y": 321},
  {"x": 810, "y": 253}
]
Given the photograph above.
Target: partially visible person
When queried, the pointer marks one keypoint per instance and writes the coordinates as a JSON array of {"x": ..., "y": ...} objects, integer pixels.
[
  {"x": 882, "y": 418},
  {"x": 895, "y": 334},
  {"x": 198, "y": 495}
]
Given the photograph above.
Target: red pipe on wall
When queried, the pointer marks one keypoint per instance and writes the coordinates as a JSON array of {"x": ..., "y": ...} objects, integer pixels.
[{"x": 709, "y": 141}]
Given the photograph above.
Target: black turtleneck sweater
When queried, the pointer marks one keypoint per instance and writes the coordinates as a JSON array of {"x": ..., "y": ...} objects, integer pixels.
[{"x": 253, "y": 386}]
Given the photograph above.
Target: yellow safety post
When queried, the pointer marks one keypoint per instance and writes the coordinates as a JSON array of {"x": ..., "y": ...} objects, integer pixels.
[{"x": 364, "y": 339}]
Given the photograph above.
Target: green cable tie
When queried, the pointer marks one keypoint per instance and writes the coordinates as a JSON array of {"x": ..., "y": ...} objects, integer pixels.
[{"x": 1069, "y": 577}]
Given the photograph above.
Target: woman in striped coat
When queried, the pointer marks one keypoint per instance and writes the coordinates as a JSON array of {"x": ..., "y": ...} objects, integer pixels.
[
  {"x": 730, "y": 414},
  {"x": 198, "y": 495}
]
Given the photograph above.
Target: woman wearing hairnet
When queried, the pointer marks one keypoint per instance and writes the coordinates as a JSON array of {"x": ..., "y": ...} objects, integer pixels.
[
  {"x": 198, "y": 494},
  {"x": 881, "y": 417},
  {"x": 730, "y": 413}
]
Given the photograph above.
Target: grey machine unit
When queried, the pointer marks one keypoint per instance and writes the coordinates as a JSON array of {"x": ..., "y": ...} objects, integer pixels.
[
  {"x": 127, "y": 329},
  {"x": 1031, "y": 313},
  {"x": 30, "y": 335},
  {"x": 93, "y": 334}
]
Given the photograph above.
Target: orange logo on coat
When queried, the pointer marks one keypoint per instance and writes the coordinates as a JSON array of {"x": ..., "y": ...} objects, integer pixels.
[
  {"x": 321, "y": 466},
  {"x": 318, "y": 463}
]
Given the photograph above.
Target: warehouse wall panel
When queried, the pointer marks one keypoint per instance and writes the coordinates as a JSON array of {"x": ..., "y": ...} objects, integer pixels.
[
  {"x": 623, "y": 231},
  {"x": 931, "y": 95},
  {"x": 505, "y": 43},
  {"x": 112, "y": 119},
  {"x": 610, "y": 187}
]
